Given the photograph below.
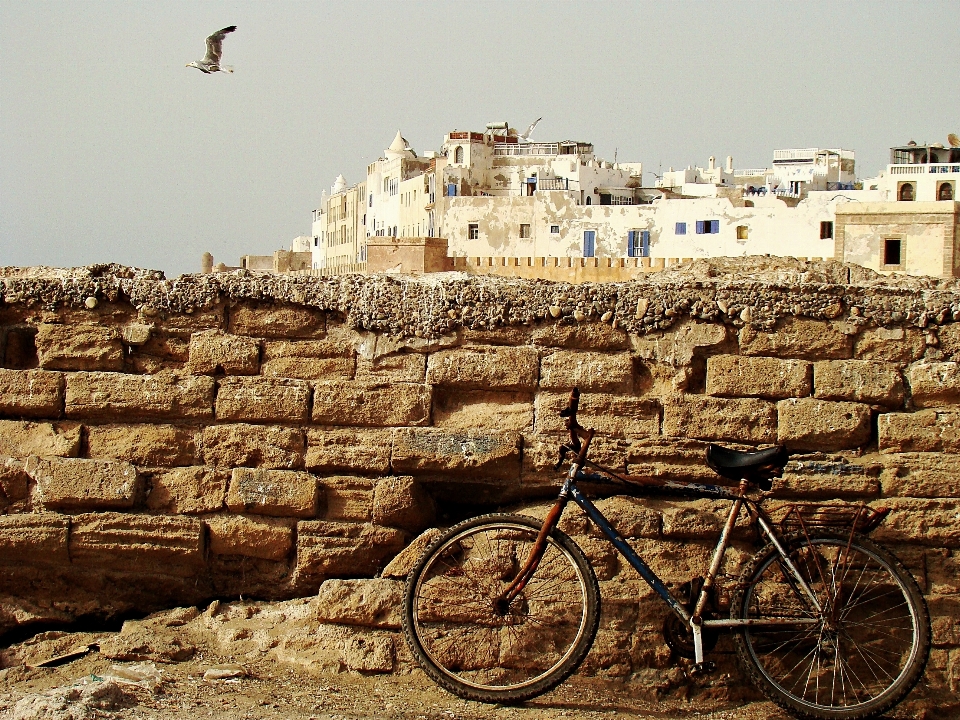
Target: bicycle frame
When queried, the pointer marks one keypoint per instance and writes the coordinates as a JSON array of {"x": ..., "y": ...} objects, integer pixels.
[{"x": 693, "y": 620}]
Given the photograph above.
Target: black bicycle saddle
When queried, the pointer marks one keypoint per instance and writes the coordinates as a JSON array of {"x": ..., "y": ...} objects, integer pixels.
[{"x": 736, "y": 465}]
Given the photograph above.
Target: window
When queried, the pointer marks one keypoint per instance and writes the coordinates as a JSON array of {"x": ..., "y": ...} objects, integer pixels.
[
  {"x": 370, "y": 201},
  {"x": 741, "y": 232},
  {"x": 705, "y": 227},
  {"x": 524, "y": 230},
  {"x": 458, "y": 154},
  {"x": 905, "y": 193},
  {"x": 589, "y": 243},
  {"x": 826, "y": 229},
  {"x": 892, "y": 252},
  {"x": 554, "y": 229},
  {"x": 681, "y": 229},
  {"x": 945, "y": 192},
  {"x": 451, "y": 189},
  {"x": 473, "y": 231},
  {"x": 638, "y": 243}
]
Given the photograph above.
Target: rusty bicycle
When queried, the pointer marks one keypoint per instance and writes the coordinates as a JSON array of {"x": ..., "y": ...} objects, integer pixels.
[{"x": 826, "y": 622}]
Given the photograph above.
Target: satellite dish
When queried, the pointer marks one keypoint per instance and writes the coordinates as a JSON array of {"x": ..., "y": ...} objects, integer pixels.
[{"x": 953, "y": 140}]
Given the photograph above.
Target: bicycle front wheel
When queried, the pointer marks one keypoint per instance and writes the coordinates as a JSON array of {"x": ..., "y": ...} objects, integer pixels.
[
  {"x": 473, "y": 646},
  {"x": 856, "y": 656}
]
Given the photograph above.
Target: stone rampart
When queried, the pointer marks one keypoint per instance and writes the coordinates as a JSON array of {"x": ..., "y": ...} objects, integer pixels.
[{"x": 170, "y": 442}]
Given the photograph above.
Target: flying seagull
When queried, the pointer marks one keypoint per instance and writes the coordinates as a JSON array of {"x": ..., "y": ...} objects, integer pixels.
[{"x": 211, "y": 61}]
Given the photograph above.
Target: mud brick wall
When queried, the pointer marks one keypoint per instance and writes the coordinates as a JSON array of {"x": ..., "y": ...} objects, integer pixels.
[{"x": 166, "y": 443}]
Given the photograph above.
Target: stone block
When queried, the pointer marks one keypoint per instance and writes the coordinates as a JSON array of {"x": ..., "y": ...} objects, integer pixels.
[
  {"x": 896, "y": 345},
  {"x": 188, "y": 490},
  {"x": 78, "y": 347},
  {"x": 309, "y": 359},
  {"x": 810, "y": 424},
  {"x": 748, "y": 420},
  {"x": 166, "y": 395},
  {"x": 347, "y": 498},
  {"x": 944, "y": 611},
  {"x": 31, "y": 393},
  {"x": 276, "y": 320},
  {"x": 485, "y": 368},
  {"x": 22, "y": 438},
  {"x": 263, "y": 446},
  {"x": 801, "y": 338},
  {"x": 582, "y": 336},
  {"x": 610, "y": 415},
  {"x": 763, "y": 377},
  {"x": 76, "y": 484},
  {"x": 403, "y": 562},
  {"x": 338, "y": 450},
  {"x": 943, "y": 571},
  {"x": 213, "y": 352},
  {"x": 382, "y": 405},
  {"x": 265, "y": 400},
  {"x": 367, "y": 603},
  {"x": 949, "y": 341},
  {"x": 457, "y": 409},
  {"x": 590, "y": 371},
  {"x": 14, "y": 485},
  {"x": 398, "y": 367},
  {"x": 920, "y": 521},
  {"x": 310, "y": 368},
  {"x": 630, "y": 516},
  {"x": 934, "y": 384},
  {"x": 920, "y": 431},
  {"x": 34, "y": 538},
  {"x": 284, "y": 493},
  {"x": 336, "y": 549},
  {"x": 369, "y": 653},
  {"x": 146, "y": 544},
  {"x": 858, "y": 381},
  {"x": 677, "y": 346},
  {"x": 401, "y": 502},
  {"x": 250, "y": 536},
  {"x": 493, "y": 455},
  {"x": 143, "y": 444},
  {"x": 922, "y": 475},
  {"x": 827, "y": 479}
]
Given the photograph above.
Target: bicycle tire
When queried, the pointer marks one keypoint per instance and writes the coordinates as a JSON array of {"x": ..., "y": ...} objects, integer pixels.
[
  {"x": 853, "y": 663},
  {"x": 477, "y": 652}
]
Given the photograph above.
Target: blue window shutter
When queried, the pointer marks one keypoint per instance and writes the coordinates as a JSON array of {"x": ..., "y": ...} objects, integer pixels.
[
  {"x": 589, "y": 243},
  {"x": 451, "y": 190},
  {"x": 681, "y": 228},
  {"x": 700, "y": 229},
  {"x": 714, "y": 226},
  {"x": 645, "y": 244},
  {"x": 631, "y": 243}
]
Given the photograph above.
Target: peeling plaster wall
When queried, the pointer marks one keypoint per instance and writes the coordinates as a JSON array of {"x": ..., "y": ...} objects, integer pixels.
[{"x": 773, "y": 228}]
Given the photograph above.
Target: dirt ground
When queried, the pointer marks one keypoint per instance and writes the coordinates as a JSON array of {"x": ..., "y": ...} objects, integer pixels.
[{"x": 178, "y": 668}]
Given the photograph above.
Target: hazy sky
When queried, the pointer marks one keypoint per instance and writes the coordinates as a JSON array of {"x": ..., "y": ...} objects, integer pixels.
[{"x": 112, "y": 151}]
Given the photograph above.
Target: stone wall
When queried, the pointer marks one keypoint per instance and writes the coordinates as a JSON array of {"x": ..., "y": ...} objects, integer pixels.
[{"x": 169, "y": 442}]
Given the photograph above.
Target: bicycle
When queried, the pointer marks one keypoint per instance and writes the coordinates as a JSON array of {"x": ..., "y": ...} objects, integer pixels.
[{"x": 826, "y": 622}]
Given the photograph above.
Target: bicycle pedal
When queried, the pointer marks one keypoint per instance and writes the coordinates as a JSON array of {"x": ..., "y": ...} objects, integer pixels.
[{"x": 704, "y": 668}]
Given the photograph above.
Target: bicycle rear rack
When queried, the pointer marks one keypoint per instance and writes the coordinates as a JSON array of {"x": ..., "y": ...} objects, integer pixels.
[{"x": 859, "y": 518}]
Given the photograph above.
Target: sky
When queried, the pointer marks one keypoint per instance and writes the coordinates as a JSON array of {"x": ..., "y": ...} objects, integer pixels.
[{"x": 111, "y": 150}]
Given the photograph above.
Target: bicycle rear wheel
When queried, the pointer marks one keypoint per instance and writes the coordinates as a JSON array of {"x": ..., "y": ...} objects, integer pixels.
[
  {"x": 855, "y": 658},
  {"x": 480, "y": 651}
]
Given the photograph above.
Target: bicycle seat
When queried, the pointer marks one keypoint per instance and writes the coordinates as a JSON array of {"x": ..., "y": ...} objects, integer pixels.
[{"x": 754, "y": 466}]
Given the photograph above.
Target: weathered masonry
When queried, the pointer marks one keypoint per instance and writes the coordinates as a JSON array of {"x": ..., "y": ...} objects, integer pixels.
[{"x": 169, "y": 442}]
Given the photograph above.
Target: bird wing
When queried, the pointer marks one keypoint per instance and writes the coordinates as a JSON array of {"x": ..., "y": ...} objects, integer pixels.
[
  {"x": 526, "y": 135},
  {"x": 215, "y": 44}
]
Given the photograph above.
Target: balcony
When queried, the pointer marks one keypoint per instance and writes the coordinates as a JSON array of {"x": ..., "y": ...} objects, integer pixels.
[{"x": 917, "y": 169}]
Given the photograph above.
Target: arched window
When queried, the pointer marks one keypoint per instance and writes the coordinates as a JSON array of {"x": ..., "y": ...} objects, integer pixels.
[
  {"x": 945, "y": 192},
  {"x": 906, "y": 192},
  {"x": 589, "y": 200},
  {"x": 458, "y": 154}
]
